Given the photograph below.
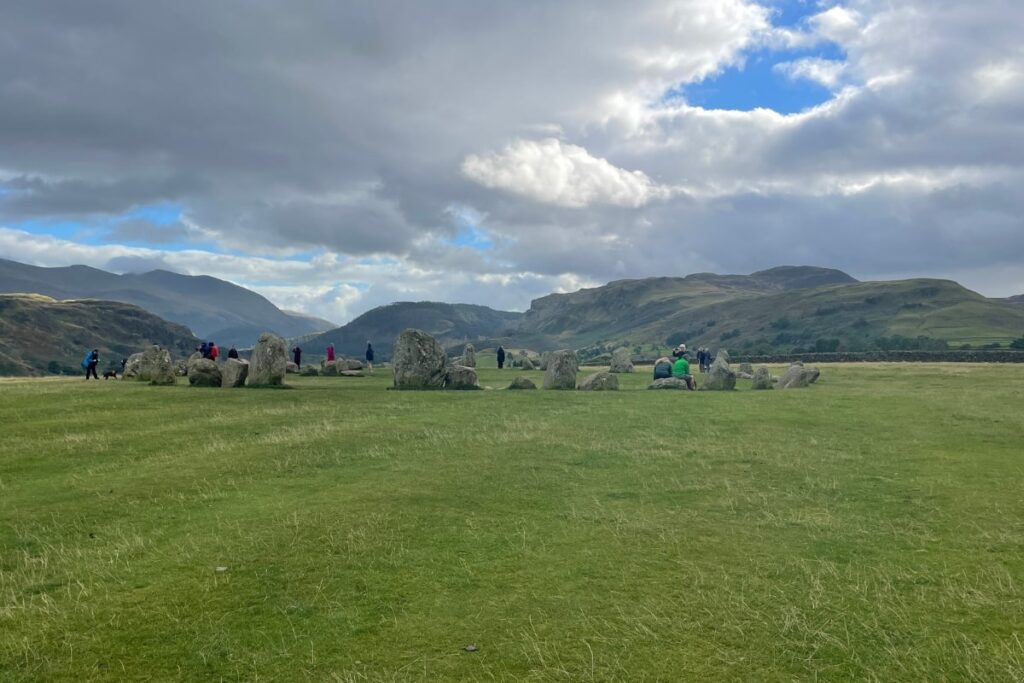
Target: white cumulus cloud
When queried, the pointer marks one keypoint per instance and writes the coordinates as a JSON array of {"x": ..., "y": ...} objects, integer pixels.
[{"x": 553, "y": 172}]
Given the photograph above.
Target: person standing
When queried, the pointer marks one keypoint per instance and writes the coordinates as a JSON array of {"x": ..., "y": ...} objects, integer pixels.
[
  {"x": 91, "y": 360},
  {"x": 213, "y": 352},
  {"x": 297, "y": 356},
  {"x": 501, "y": 357},
  {"x": 233, "y": 353},
  {"x": 205, "y": 350},
  {"x": 369, "y": 357},
  {"x": 330, "y": 353}
]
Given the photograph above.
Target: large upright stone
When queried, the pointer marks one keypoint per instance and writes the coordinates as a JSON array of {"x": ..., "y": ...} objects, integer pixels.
[
  {"x": 622, "y": 361},
  {"x": 461, "y": 377},
  {"x": 268, "y": 362},
  {"x": 234, "y": 373},
  {"x": 600, "y": 381},
  {"x": 543, "y": 365},
  {"x": 746, "y": 368},
  {"x": 720, "y": 377},
  {"x": 309, "y": 371},
  {"x": 133, "y": 366},
  {"x": 469, "y": 356},
  {"x": 419, "y": 361},
  {"x": 156, "y": 366},
  {"x": 562, "y": 368},
  {"x": 762, "y": 379},
  {"x": 525, "y": 362},
  {"x": 204, "y": 373},
  {"x": 330, "y": 369},
  {"x": 798, "y": 377}
]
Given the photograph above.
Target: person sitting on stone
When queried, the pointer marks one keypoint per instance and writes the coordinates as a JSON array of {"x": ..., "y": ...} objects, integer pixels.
[
  {"x": 681, "y": 368},
  {"x": 663, "y": 368}
]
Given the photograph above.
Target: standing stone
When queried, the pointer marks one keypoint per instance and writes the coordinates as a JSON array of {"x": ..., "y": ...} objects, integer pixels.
[
  {"x": 544, "y": 361},
  {"x": 746, "y": 368},
  {"x": 762, "y": 379},
  {"x": 235, "y": 372},
  {"x": 622, "y": 361},
  {"x": 522, "y": 383},
  {"x": 419, "y": 361},
  {"x": 669, "y": 383},
  {"x": 330, "y": 369},
  {"x": 204, "y": 373},
  {"x": 156, "y": 367},
  {"x": 133, "y": 366},
  {"x": 309, "y": 371},
  {"x": 720, "y": 377},
  {"x": 461, "y": 377},
  {"x": 562, "y": 368},
  {"x": 525, "y": 362},
  {"x": 268, "y": 362},
  {"x": 469, "y": 356},
  {"x": 798, "y": 377},
  {"x": 291, "y": 368},
  {"x": 600, "y": 381}
]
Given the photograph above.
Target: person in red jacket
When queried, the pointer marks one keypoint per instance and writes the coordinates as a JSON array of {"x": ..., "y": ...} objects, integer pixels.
[{"x": 214, "y": 352}]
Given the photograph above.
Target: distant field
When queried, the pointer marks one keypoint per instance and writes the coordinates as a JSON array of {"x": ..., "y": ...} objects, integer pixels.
[{"x": 868, "y": 528}]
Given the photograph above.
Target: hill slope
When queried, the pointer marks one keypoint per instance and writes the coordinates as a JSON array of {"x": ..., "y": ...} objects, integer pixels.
[
  {"x": 211, "y": 308},
  {"x": 450, "y": 323},
  {"x": 39, "y": 335}
]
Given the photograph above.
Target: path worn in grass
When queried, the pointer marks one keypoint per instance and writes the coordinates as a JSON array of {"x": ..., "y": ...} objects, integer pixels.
[{"x": 871, "y": 527}]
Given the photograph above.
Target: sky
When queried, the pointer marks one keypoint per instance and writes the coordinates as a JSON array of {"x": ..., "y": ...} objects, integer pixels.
[{"x": 339, "y": 156}]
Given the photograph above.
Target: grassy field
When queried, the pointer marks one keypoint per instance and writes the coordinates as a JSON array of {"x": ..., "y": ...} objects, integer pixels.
[{"x": 870, "y": 527}]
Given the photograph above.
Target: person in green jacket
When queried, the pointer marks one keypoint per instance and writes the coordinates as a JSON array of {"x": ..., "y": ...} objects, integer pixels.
[{"x": 681, "y": 368}]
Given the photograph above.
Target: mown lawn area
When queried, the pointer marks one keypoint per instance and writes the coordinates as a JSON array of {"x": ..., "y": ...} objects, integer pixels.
[{"x": 870, "y": 527}]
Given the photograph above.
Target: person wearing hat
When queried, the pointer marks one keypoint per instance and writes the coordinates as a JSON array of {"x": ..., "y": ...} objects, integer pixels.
[{"x": 681, "y": 367}]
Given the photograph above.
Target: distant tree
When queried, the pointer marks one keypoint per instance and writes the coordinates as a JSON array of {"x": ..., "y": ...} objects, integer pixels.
[{"x": 53, "y": 367}]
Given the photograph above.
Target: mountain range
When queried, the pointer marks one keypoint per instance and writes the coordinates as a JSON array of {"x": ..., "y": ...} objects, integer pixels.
[
  {"x": 783, "y": 309},
  {"x": 212, "y": 309}
]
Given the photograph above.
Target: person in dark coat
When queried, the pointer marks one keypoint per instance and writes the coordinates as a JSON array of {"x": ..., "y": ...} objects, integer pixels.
[
  {"x": 501, "y": 357},
  {"x": 91, "y": 361},
  {"x": 297, "y": 356},
  {"x": 233, "y": 353},
  {"x": 205, "y": 350},
  {"x": 369, "y": 357}
]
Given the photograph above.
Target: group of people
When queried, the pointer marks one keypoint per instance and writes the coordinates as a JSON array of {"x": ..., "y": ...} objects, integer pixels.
[
  {"x": 704, "y": 359},
  {"x": 331, "y": 356},
  {"x": 678, "y": 366},
  {"x": 210, "y": 351}
]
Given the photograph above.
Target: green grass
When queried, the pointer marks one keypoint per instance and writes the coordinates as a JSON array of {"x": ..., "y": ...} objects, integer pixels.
[{"x": 868, "y": 528}]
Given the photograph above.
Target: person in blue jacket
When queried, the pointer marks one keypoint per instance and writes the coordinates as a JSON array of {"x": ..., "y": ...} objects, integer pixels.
[{"x": 91, "y": 360}]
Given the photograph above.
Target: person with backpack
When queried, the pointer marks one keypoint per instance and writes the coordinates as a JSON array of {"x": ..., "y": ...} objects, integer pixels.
[
  {"x": 297, "y": 356},
  {"x": 233, "y": 353},
  {"x": 501, "y": 357},
  {"x": 213, "y": 352},
  {"x": 91, "y": 360},
  {"x": 369, "y": 357}
]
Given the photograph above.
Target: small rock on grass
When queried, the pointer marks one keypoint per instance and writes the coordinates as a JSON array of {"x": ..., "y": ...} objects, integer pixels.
[{"x": 470, "y": 648}]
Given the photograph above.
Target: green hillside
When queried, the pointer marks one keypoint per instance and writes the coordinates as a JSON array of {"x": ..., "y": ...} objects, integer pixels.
[{"x": 40, "y": 335}]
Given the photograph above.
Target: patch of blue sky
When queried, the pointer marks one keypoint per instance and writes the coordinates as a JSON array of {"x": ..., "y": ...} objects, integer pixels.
[
  {"x": 758, "y": 83},
  {"x": 472, "y": 237},
  {"x": 63, "y": 229}
]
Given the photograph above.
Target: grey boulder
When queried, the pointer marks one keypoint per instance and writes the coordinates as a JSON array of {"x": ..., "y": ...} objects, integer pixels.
[
  {"x": 269, "y": 361},
  {"x": 469, "y": 356},
  {"x": 234, "y": 373},
  {"x": 600, "y": 381},
  {"x": 461, "y": 377},
  {"x": 562, "y": 368},
  {"x": 622, "y": 361},
  {"x": 204, "y": 373},
  {"x": 669, "y": 383},
  {"x": 419, "y": 361},
  {"x": 523, "y": 383},
  {"x": 720, "y": 377},
  {"x": 156, "y": 367},
  {"x": 762, "y": 379},
  {"x": 798, "y": 377}
]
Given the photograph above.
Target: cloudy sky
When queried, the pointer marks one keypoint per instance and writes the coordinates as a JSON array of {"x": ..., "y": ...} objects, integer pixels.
[{"x": 339, "y": 155}]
